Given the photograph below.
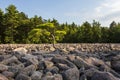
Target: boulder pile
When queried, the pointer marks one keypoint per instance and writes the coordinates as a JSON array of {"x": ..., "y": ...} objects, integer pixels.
[{"x": 21, "y": 64}]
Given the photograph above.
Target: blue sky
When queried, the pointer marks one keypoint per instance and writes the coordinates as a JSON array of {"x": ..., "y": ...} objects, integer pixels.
[{"x": 78, "y": 11}]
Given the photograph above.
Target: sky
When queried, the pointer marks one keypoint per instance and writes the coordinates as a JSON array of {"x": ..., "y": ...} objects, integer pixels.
[{"x": 78, "y": 11}]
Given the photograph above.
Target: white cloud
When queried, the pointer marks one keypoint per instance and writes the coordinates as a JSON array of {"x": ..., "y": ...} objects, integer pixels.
[{"x": 108, "y": 11}]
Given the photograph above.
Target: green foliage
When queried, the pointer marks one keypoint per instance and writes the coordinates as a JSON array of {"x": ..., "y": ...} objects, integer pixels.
[
  {"x": 34, "y": 36},
  {"x": 16, "y": 27}
]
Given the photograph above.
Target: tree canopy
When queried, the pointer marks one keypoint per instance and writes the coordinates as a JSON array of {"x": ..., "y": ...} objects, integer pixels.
[{"x": 17, "y": 27}]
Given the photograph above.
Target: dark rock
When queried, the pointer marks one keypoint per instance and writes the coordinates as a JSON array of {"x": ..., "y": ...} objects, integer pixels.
[
  {"x": 29, "y": 69},
  {"x": 62, "y": 67},
  {"x": 8, "y": 74},
  {"x": 71, "y": 74},
  {"x": 53, "y": 70},
  {"x": 115, "y": 63},
  {"x": 22, "y": 77},
  {"x": 31, "y": 58},
  {"x": 11, "y": 61},
  {"x": 41, "y": 65},
  {"x": 103, "y": 76},
  {"x": 63, "y": 61},
  {"x": 36, "y": 75},
  {"x": 79, "y": 62},
  {"x": 3, "y": 67}
]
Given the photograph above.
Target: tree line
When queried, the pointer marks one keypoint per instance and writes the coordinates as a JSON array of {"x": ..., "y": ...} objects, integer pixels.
[{"x": 17, "y": 27}]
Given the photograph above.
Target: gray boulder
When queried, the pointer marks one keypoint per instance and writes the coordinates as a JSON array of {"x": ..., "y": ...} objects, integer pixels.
[
  {"x": 2, "y": 77},
  {"x": 71, "y": 74},
  {"x": 103, "y": 76},
  {"x": 36, "y": 75},
  {"x": 22, "y": 77}
]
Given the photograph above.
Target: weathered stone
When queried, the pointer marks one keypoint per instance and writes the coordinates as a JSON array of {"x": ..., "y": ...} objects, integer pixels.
[
  {"x": 21, "y": 50},
  {"x": 41, "y": 65},
  {"x": 63, "y": 61},
  {"x": 22, "y": 77},
  {"x": 62, "y": 67},
  {"x": 8, "y": 74},
  {"x": 3, "y": 77},
  {"x": 3, "y": 67},
  {"x": 48, "y": 64},
  {"x": 36, "y": 75},
  {"x": 52, "y": 77},
  {"x": 31, "y": 58},
  {"x": 103, "y": 76},
  {"x": 10, "y": 60},
  {"x": 53, "y": 70},
  {"x": 115, "y": 63},
  {"x": 57, "y": 77},
  {"x": 29, "y": 69},
  {"x": 71, "y": 74},
  {"x": 79, "y": 62}
]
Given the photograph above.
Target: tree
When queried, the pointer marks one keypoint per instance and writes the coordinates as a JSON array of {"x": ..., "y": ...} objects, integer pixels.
[
  {"x": 50, "y": 30},
  {"x": 96, "y": 32},
  {"x": 86, "y": 32},
  {"x": 1, "y": 27},
  {"x": 11, "y": 23}
]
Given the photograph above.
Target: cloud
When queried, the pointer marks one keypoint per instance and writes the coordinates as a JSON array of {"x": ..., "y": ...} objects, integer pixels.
[{"x": 108, "y": 11}]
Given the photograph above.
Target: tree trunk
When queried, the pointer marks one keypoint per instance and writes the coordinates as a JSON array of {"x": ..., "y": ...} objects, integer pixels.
[{"x": 53, "y": 37}]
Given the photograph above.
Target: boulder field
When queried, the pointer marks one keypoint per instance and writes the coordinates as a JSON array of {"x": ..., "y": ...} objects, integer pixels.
[{"x": 25, "y": 63}]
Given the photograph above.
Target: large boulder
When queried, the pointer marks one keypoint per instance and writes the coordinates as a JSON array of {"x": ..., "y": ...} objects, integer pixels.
[
  {"x": 10, "y": 60},
  {"x": 71, "y": 74},
  {"x": 29, "y": 69},
  {"x": 115, "y": 63},
  {"x": 21, "y": 50},
  {"x": 22, "y": 77},
  {"x": 103, "y": 76},
  {"x": 36, "y": 75},
  {"x": 52, "y": 77},
  {"x": 2, "y": 77},
  {"x": 31, "y": 58},
  {"x": 8, "y": 74},
  {"x": 3, "y": 67},
  {"x": 48, "y": 64}
]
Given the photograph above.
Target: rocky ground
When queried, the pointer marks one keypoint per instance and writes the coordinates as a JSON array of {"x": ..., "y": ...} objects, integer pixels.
[{"x": 21, "y": 64}]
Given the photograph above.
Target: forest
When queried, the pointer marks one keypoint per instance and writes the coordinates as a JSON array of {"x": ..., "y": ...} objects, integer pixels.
[{"x": 16, "y": 27}]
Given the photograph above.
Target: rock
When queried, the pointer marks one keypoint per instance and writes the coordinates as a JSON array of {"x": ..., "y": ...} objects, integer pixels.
[
  {"x": 31, "y": 58},
  {"x": 103, "y": 76},
  {"x": 71, "y": 57},
  {"x": 57, "y": 77},
  {"x": 63, "y": 61},
  {"x": 8, "y": 74},
  {"x": 14, "y": 69},
  {"x": 79, "y": 62},
  {"x": 62, "y": 67},
  {"x": 115, "y": 63},
  {"x": 36, "y": 75},
  {"x": 41, "y": 65},
  {"x": 52, "y": 77},
  {"x": 22, "y": 77},
  {"x": 3, "y": 67},
  {"x": 10, "y": 61},
  {"x": 21, "y": 50},
  {"x": 29, "y": 69},
  {"x": 88, "y": 73},
  {"x": 1, "y": 58},
  {"x": 53, "y": 70},
  {"x": 71, "y": 74},
  {"x": 3, "y": 77},
  {"x": 48, "y": 64}
]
